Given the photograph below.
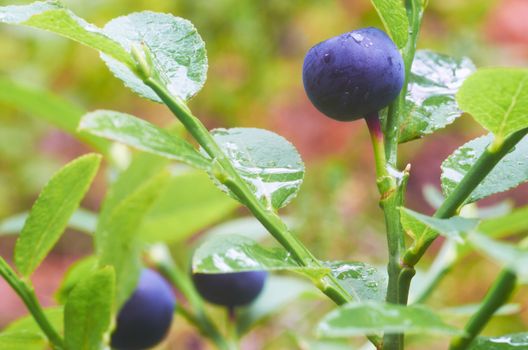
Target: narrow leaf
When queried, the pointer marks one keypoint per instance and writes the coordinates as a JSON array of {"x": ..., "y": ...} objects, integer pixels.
[
  {"x": 419, "y": 226},
  {"x": 49, "y": 107},
  {"x": 22, "y": 340},
  {"x": 188, "y": 204},
  {"x": 509, "y": 255},
  {"x": 142, "y": 135},
  {"x": 177, "y": 50},
  {"x": 117, "y": 238},
  {"x": 511, "y": 171},
  {"x": 372, "y": 318},
  {"x": 430, "y": 101},
  {"x": 497, "y": 98},
  {"x": 394, "y": 18},
  {"x": 54, "y": 17},
  {"x": 52, "y": 211},
  {"x": 88, "y": 311},
  {"x": 269, "y": 164}
]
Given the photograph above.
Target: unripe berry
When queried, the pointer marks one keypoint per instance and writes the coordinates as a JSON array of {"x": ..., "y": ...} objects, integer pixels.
[
  {"x": 145, "y": 318},
  {"x": 230, "y": 289},
  {"x": 352, "y": 75}
]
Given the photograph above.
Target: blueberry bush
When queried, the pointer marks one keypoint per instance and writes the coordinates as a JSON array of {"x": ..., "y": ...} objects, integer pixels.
[{"x": 124, "y": 295}]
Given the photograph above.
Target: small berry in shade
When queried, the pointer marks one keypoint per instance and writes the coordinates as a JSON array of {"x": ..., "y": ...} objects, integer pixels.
[{"x": 145, "y": 318}]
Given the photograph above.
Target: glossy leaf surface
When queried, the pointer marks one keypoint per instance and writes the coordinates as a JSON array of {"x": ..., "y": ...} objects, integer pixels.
[
  {"x": 511, "y": 171},
  {"x": 363, "y": 281},
  {"x": 142, "y": 135},
  {"x": 269, "y": 164},
  {"x": 430, "y": 101},
  {"x": 516, "y": 341},
  {"x": 178, "y": 52}
]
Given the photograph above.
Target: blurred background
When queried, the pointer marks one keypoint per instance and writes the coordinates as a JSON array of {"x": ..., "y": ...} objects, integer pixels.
[{"x": 255, "y": 51}]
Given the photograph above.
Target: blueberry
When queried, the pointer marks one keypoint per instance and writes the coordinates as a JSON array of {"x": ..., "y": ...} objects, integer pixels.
[
  {"x": 145, "y": 318},
  {"x": 230, "y": 289},
  {"x": 353, "y": 75}
]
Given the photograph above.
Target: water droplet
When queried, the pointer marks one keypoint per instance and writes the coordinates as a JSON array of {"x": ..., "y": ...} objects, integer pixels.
[
  {"x": 357, "y": 37},
  {"x": 327, "y": 57}
]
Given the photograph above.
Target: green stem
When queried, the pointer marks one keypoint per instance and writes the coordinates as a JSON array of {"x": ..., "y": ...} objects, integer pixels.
[
  {"x": 476, "y": 174},
  {"x": 228, "y": 174},
  {"x": 391, "y": 188},
  {"x": 392, "y": 127},
  {"x": 160, "y": 256},
  {"x": 497, "y": 296},
  {"x": 231, "y": 326},
  {"x": 27, "y": 294}
]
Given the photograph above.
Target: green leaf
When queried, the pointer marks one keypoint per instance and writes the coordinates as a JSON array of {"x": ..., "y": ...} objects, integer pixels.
[
  {"x": 420, "y": 227},
  {"x": 515, "y": 341},
  {"x": 394, "y": 18},
  {"x": 371, "y": 318},
  {"x": 28, "y": 323},
  {"x": 76, "y": 272},
  {"x": 50, "y": 108},
  {"x": 511, "y": 171},
  {"x": 430, "y": 101},
  {"x": 177, "y": 50},
  {"x": 234, "y": 253},
  {"x": 511, "y": 256},
  {"x": 361, "y": 280},
  {"x": 512, "y": 223},
  {"x": 278, "y": 293},
  {"x": 269, "y": 164},
  {"x": 52, "y": 210},
  {"x": 189, "y": 203},
  {"x": 117, "y": 239},
  {"x": 88, "y": 311},
  {"x": 142, "y": 135},
  {"x": 23, "y": 340},
  {"x": 82, "y": 220},
  {"x": 497, "y": 98},
  {"x": 54, "y": 17}
]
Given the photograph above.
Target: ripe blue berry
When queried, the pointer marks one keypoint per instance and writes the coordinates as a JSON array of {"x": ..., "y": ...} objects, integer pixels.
[
  {"x": 145, "y": 318},
  {"x": 352, "y": 75},
  {"x": 230, "y": 289}
]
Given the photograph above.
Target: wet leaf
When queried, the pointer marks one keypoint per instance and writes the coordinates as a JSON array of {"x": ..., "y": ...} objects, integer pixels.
[
  {"x": 430, "y": 101},
  {"x": 142, "y": 135},
  {"x": 371, "y": 318},
  {"x": 515, "y": 341},
  {"x": 177, "y": 49},
  {"x": 54, "y": 17},
  {"x": 52, "y": 210},
  {"x": 394, "y": 18},
  {"x": 361, "y": 280},
  {"x": 511, "y": 171},
  {"x": 234, "y": 253},
  {"x": 269, "y": 164},
  {"x": 497, "y": 98}
]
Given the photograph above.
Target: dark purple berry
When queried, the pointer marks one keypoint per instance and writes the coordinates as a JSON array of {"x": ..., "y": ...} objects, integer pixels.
[
  {"x": 352, "y": 75},
  {"x": 145, "y": 319},
  {"x": 230, "y": 289}
]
